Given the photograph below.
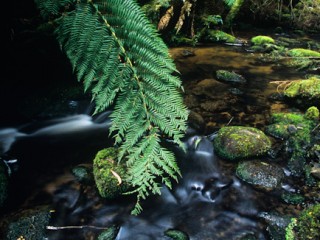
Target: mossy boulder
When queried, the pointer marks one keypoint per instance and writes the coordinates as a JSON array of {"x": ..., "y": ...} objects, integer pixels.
[
  {"x": 261, "y": 175},
  {"x": 312, "y": 113},
  {"x": 301, "y": 52},
  {"x": 297, "y": 129},
  {"x": 220, "y": 36},
  {"x": 27, "y": 224},
  {"x": 304, "y": 92},
  {"x": 261, "y": 40},
  {"x": 238, "y": 142},
  {"x": 109, "y": 175},
  {"x": 306, "y": 225},
  {"x": 228, "y": 76},
  {"x": 304, "y": 59}
]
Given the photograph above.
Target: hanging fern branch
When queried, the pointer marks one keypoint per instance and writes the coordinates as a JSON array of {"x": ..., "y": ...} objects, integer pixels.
[{"x": 121, "y": 59}]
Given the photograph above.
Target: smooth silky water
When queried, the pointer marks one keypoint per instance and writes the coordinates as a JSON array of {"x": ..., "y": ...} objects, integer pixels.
[{"x": 209, "y": 202}]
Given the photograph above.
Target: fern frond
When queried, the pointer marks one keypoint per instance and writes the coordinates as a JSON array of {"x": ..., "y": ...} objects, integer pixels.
[{"x": 120, "y": 58}]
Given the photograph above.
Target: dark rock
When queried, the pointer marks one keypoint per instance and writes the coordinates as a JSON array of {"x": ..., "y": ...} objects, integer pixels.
[
  {"x": 260, "y": 174},
  {"x": 27, "y": 224},
  {"x": 232, "y": 77}
]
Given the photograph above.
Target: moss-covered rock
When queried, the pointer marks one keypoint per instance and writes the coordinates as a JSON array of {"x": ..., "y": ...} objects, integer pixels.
[
  {"x": 312, "y": 113},
  {"x": 27, "y": 224},
  {"x": 228, "y": 76},
  {"x": 109, "y": 175},
  {"x": 262, "y": 175},
  {"x": 220, "y": 36},
  {"x": 237, "y": 142},
  {"x": 306, "y": 226},
  {"x": 301, "y": 52},
  {"x": 261, "y": 40},
  {"x": 297, "y": 129},
  {"x": 292, "y": 198},
  {"x": 305, "y": 92}
]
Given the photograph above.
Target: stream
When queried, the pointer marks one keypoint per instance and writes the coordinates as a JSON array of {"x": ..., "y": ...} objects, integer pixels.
[{"x": 209, "y": 202}]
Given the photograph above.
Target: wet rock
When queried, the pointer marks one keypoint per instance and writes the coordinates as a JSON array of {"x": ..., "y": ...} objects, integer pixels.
[
  {"x": 292, "y": 198},
  {"x": 279, "y": 131},
  {"x": 83, "y": 173},
  {"x": 215, "y": 106},
  {"x": 228, "y": 76},
  {"x": 297, "y": 130},
  {"x": 235, "y": 91},
  {"x": 210, "y": 88},
  {"x": 3, "y": 183},
  {"x": 304, "y": 92},
  {"x": 277, "y": 224},
  {"x": 108, "y": 174},
  {"x": 196, "y": 121},
  {"x": 315, "y": 170},
  {"x": 27, "y": 224},
  {"x": 191, "y": 101},
  {"x": 187, "y": 53},
  {"x": 262, "y": 175},
  {"x": 237, "y": 142}
]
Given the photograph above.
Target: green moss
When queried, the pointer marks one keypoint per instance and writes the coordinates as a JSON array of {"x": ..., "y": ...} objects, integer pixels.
[
  {"x": 312, "y": 113},
  {"x": 176, "y": 234},
  {"x": 278, "y": 130},
  {"x": 301, "y": 52},
  {"x": 237, "y": 142},
  {"x": 110, "y": 176},
  {"x": 220, "y": 36},
  {"x": 306, "y": 226},
  {"x": 297, "y": 129},
  {"x": 292, "y": 198},
  {"x": 289, "y": 229},
  {"x": 309, "y": 88},
  {"x": 287, "y": 118},
  {"x": 228, "y": 76},
  {"x": 261, "y": 40}
]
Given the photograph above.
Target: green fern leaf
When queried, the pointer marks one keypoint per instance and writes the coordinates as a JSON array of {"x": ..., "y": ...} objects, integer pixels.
[{"x": 120, "y": 58}]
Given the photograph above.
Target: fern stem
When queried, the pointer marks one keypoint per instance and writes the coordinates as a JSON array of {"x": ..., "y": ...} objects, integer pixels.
[{"x": 128, "y": 60}]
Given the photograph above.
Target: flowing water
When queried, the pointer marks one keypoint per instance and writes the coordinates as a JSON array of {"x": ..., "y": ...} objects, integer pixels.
[{"x": 209, "y": 202}]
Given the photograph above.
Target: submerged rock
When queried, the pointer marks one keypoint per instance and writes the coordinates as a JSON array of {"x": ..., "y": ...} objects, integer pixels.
[
  {"x": 220, "y": 36},
  {"x": 228, "y": 76},
  {"x": 109, "y": 175},
  {"x": 237, "y": 142},
  {"x": 260, "y": 174}
]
